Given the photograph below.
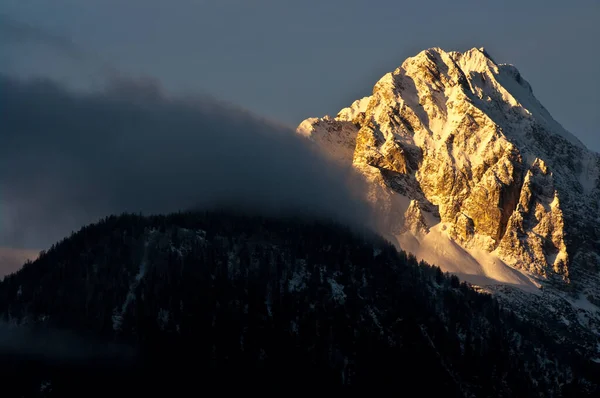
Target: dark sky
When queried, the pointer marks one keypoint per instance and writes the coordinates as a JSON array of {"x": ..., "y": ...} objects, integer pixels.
[{"x": 293, "y": 59}]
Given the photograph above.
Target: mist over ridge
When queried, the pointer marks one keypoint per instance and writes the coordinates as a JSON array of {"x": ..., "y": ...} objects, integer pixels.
[{"x": 68, "y": 158}]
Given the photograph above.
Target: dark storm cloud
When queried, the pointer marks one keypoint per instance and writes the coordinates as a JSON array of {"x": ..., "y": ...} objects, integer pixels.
[{"x": 69, "y": 158}]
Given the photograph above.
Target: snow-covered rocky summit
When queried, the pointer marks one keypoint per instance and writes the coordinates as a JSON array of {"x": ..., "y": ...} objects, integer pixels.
[{"x": 473, "y": 174}]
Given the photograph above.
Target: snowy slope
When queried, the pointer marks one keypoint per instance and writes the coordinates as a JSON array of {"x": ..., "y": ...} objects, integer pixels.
[{"x": 475, "y": 266}]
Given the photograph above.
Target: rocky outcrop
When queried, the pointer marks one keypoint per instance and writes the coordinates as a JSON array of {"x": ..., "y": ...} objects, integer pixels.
[
  {"x": 535, "y": 231},
  {"x": 414, "y": 221}
]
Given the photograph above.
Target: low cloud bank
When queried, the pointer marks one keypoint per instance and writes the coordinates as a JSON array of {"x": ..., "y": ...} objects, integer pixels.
[{"x": 68, "y": 158}]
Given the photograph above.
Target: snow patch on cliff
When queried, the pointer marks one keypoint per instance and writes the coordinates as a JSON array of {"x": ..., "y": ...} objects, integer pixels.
[{"x": 477, "y": 267}]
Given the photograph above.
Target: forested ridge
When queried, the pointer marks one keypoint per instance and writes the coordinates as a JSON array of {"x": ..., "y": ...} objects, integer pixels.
[{"x": 215, "y": 299}]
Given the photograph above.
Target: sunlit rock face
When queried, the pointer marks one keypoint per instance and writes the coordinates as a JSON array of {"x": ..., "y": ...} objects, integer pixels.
[{"x": 456, "y": 145}]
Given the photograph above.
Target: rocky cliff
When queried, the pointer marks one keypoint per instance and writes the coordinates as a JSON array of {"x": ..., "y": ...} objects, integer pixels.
[{"x": 472, "y": 173}]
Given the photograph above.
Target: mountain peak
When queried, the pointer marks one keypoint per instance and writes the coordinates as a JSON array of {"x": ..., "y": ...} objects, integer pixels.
[
  {"x": 470, "y": 172},
  {"x": 484, "y": 52},
  {"x": 461, "y": 137},
  {"x": 437, "y": 54}
]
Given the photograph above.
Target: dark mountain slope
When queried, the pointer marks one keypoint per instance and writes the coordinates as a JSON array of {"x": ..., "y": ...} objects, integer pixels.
[{"x": 188, "y": 302}]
